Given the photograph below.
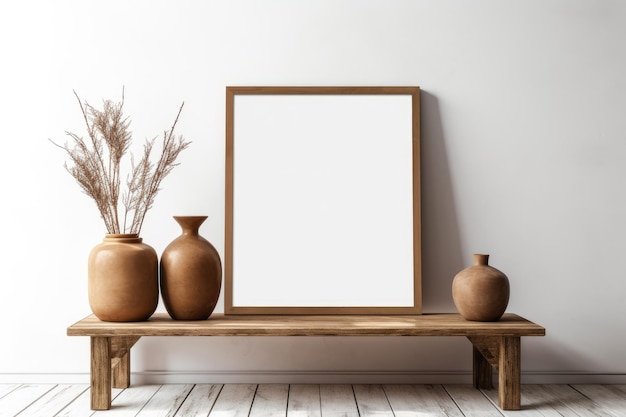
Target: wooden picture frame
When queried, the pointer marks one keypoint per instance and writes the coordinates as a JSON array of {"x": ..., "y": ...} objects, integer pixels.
[{"x": 322, "y": 200}]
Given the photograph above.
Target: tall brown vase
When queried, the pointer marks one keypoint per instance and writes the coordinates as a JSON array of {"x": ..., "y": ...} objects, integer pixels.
[
  {"x": 123, "y": 279},
  {"x": 191, "y": 273},
  {"x": 481, "y": 292}
]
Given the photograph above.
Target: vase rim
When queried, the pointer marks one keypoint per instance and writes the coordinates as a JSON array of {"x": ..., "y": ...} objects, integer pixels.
[
  {"x": 123, "y": 237},
  {"x": 481, "y": 259}
]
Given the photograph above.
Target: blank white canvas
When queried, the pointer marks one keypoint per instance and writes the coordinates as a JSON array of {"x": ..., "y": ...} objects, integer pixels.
[{"x": 323, "y": 201}]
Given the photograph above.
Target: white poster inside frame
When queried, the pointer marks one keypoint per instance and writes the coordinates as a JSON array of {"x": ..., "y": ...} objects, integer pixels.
[{"x": 322, "y": 200}]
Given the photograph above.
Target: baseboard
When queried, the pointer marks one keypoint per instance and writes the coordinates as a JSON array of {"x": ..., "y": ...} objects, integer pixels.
[
  {"x": 316, "y": 377},
  {"x": 308, "y": 377}
]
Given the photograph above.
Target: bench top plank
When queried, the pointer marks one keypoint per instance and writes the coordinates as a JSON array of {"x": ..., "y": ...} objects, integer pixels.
[{"x": 160, "y": 324}]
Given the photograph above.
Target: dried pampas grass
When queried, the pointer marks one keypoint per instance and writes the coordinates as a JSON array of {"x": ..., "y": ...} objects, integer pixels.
[{"x": 96, "y": 165}]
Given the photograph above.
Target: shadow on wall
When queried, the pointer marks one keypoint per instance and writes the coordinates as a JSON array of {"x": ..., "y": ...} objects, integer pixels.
[
  {"x": 563, "y": 363},
  {"x": 441, "y": 243}
]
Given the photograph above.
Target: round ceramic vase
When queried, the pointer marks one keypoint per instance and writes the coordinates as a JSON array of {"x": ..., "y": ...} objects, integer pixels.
[
  {"x": 191, "y": 273},
  {"x": 123, "y": 279},
  {"x": 481, "y": 292}
]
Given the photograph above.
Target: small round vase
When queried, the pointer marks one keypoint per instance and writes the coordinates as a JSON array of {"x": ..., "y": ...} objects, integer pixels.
[
  {"x": 123, "y": 279},
  {"x": 191, "y": 273},
  {"x": 481, "y": 292}
]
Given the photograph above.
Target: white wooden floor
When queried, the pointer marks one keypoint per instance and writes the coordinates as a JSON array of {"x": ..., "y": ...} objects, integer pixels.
[{"x": 216, "y": 400}]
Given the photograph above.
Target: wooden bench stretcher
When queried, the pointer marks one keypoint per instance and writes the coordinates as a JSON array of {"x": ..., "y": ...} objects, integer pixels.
[{"x": 496, "y": 345}]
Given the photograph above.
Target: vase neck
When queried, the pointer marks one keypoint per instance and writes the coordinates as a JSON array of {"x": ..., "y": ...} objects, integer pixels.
[
  {"x": 190, "y": 224},
  {"x": 481, "y": 259}
]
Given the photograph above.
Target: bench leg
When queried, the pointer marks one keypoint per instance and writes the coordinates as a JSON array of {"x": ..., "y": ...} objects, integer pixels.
[
  {"x": 503, "y": 354},
  {"x": 100, "y": 373},
  {"x": 482, "y": 371},
  {"x": 121, "y": 372},
  {"x": 110, "y": 367},
  {"x": 509, "y": 390},
  {"x": 120, "y": 360}
]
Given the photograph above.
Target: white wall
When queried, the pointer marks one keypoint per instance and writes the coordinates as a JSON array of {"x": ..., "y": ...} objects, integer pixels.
[{"x": 524, "y": 142}]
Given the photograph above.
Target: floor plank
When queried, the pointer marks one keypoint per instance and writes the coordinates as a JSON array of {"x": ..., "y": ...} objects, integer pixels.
[
  {"x": 81, "y": 405},
  {"x": 130, "y": 401},
  {"x": 235, "y": 400},
  {"x": 569, "y": 402},
  {"x": 621, "y": 387},
  {"x": 54, "y": 400},
  {"x": 372, "y": 401},
  {"x": 22, "y": 397},
  {"x": 421, "y": 401},
  {"x": 166, "y": 401},
  {"x": 200, "y": 400},
  {"x": 471, "y": 401},
  {"x": 338, "y": 401},
  {"x": 612, "y": 397},
  {"x": 6, "y": 388},
  {"x": 304, "y": 400},
  {"x": 535, "y": 403},
  {"x": 270, "y": 400}
]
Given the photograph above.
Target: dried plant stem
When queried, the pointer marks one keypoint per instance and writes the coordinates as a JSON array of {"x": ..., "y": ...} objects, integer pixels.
[
  {"x": 147, "y": 186},
  {"x": 97, "y": 164}
]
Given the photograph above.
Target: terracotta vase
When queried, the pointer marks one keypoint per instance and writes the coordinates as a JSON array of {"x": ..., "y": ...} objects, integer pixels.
[
  {"x": 191, "y": 273},
  {"x": 123, "y": 279},
  {"x": 481, "y": 292}
]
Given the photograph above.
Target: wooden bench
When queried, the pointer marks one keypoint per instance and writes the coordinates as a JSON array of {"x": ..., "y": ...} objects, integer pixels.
[{"x": 496, "y": 345}]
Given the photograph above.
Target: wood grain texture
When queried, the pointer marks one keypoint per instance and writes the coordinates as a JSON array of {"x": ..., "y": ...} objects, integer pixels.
[
  {"x": 420, "y": 401},
  {"x": 120, "y": 360},
  {"x": 120, "y": 371},
  {"x": 443, "y": 404},
  {"x": 199, "y": 401},
  {"x": 612, "y": 397},
  {"x": 327, "y": 325},
  {"x": 406, "y": 401},
  {"x": 500, "y": 341},
  {"x": 270, "y": 400},
  {"x": 372, "y": 401},
  {"x": 509, "y": 369},
  {"x": 100, "y": 373},
  {"x": 166, "y": 401},
  {"x": 338, "y": 400},
  {"x": 54, "y": 400},
  {"x": 235, "y": 400},
  {"x": 129, "y": 402},
  {"x": 571, "y": 402},
  {"x": 22, "y": 397},
  {"x": 472, "y": 401},
  {"x": 81, "y": 405},
  {"x": 304, "y": 400},
  {"x": 489, "y": 347},
  {"x": 482, "y": 371}
]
